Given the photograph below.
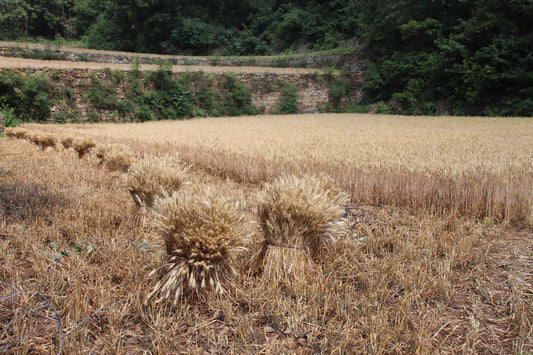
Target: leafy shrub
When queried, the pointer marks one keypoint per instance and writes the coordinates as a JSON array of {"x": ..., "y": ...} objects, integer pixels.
[
  {"x": 101, "y": 93},
  {"x": 288, "y": 101},
  {"x": 45, "y": 54},
  {"x": 93, "y": 116},
  {"x": 235, "y": 98},
  {"x": 36, "y": 102},
  {"x": 9, "y": 116},
  {"x": 338, "y": 89},
  {"x": 383, "y": 108},
  {"x": 106, "y": 34}
]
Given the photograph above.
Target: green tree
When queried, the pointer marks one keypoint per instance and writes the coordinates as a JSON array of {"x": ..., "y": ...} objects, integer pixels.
[{"x": 13, "y": 15}]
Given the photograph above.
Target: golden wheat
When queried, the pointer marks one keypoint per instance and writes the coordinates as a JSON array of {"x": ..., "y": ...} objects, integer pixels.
[
  {"x": 83, "y": 146},
  {"x": 202, "y": 234},
  {"x": 150, "y": 177},
  {"x": 450, "y": 165},
  {"x": 416, "y": 283},
  {"x": 298, "y": 215}
]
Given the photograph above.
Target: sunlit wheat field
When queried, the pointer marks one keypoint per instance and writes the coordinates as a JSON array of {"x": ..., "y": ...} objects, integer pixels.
[
  {"x": 306, "y": 234},
  {"x": 485, "y": 165},
  {"x": 448, "y": 145}
]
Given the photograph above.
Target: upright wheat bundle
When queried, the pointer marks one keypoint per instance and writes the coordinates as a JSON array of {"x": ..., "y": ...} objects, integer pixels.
[
  {"x": 151, "y": 177},
  {"x": 67, "y": 142},
  {"x": 43, "y": 139},
  {"x": 83, "y": 146},
  {"x": 202, "y": 234},
  {"x": 115, "y": 157},
  {"x": 299, "y": 216},
  {"x": 16, "y": 132}
]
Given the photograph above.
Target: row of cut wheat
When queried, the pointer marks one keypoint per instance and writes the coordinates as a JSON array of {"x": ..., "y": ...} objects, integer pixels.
[{"x": 202, "y": 232}]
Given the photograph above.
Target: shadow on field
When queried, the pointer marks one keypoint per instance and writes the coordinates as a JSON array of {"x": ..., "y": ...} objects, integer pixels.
[{"x": 28, "y": 201}]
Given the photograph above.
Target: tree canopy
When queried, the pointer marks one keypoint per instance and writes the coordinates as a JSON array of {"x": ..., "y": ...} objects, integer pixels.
[{"x": 470, "y": 56}]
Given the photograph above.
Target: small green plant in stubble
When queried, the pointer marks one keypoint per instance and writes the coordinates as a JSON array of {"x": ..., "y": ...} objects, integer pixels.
[{"x": 202, "y": 234}]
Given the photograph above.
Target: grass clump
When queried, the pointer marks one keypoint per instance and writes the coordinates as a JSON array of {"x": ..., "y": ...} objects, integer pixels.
[
  {"x": 299, "y": 216},
  {"x": 83, "y": 146},
  {"x": 202, "y": 235},
  {"x": 151, "y": 177}
]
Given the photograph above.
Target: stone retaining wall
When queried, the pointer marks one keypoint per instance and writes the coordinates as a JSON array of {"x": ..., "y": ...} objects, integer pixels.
[{"x": 312, "y": 89}]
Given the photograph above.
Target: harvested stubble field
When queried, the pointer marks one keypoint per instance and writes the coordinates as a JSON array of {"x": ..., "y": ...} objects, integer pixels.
[{"x": 442, "y": 263}]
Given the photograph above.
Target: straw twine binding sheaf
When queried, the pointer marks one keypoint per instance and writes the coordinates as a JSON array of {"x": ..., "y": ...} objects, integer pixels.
[
  {"x": 202, "y": 235},
  {"x": 299, "y": 217}
]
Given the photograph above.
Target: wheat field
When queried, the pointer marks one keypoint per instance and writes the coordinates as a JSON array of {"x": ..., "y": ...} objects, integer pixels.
[
  {"x": 477, "y": 166},
  {"x": 437, "y": 254}
]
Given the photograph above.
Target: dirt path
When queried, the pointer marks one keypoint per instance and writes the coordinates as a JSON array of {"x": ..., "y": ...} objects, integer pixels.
[{"x": 9, "y": 62}]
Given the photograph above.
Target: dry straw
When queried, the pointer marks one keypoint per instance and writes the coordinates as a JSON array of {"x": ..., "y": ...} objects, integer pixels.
[
  {"x": 299, "y": 217},
  {"x": 150, "y": 177},
  {"x": 16, "y": 132},
  {"x": 83, "y": 146},
  {"x": 202, "y": 234},
  {"x": 43, "y": 139},
  {"x": 67, "y": 142},
  {"x": 115, "y": 157}
]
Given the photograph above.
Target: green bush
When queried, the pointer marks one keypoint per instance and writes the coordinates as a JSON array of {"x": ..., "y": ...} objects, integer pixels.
[
  {"x": 288, "y": 101},
  {"x": 235, "y": 97},
  {"x": 35, "y": 100},
  {"x": 101, "y": 93},
  {"x": 338, "y": 89},
  {"x": 93, "y": 116},
  {"x": 10, "y": 117},
  {"x": 383, "y": 108}
]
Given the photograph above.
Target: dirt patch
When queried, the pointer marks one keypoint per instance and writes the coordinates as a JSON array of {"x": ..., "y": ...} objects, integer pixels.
[{"x": 7, "y": 63}]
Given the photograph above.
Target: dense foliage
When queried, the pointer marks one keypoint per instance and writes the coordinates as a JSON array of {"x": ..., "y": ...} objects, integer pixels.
[
  {"x": 474, "y": 57},
  {"x": 148, "y": 96},
  {"x": 456, "y": 56}
]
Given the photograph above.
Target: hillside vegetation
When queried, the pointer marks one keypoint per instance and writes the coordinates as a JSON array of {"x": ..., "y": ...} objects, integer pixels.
[{"x": 460, "y": 57}]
